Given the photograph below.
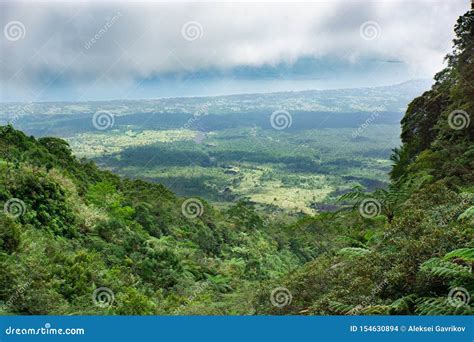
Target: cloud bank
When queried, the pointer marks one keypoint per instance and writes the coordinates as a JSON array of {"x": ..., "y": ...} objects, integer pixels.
[{"x": 84, "y": 46}]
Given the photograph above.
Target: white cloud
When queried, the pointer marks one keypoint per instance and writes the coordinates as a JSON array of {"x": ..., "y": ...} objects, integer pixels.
[{"x": 135, "y": 41}]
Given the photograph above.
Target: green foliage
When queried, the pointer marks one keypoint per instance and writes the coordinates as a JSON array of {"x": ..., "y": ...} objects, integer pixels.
[
  {"x": 467, "y": 215},
  {"x": 132, "y": 302},
  {"x": 9, "y": 235},
  {"x": 445, "y": 269},
  {"x": 419, "y": 260},
  {"x": 425, "y": 127},
  {"x": 353, "y": 252},
  {"x": 83, "y": 229},
  {"x": 466, "y": 254},
  {"x": 441, "y": 306}
]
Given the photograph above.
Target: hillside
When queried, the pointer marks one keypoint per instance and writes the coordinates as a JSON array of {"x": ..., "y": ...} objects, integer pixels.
[
  {"x": 70, "y": 228},
  {"x": 76, "y": 239},
  {"x": 417, "y": 257}
]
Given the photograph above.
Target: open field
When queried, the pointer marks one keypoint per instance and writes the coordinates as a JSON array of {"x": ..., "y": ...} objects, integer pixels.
[{"x": 294, "y": 171}]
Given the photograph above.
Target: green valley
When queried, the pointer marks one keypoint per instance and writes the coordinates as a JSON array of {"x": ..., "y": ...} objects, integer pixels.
[
  {"x": 305, "y": 203},
  {"x": 230, "y": 148}
]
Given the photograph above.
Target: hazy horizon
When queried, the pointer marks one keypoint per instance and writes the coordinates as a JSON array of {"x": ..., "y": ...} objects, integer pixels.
[
  {"x": 86, "y": 51},
  {"x": 427, "y": 80}
]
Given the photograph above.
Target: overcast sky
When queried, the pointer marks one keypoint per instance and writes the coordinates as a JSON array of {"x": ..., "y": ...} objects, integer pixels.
[{"x": 113, "y": 50}]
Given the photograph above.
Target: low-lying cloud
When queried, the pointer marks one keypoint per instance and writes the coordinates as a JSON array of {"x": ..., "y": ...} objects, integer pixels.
[{"x": 120, "y": 43}]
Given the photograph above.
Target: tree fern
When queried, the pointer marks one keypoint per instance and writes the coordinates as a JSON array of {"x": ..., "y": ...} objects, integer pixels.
[{"x": 455, "y": 267}]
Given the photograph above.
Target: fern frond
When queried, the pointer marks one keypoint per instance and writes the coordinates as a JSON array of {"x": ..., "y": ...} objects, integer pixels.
[
  {"x": 441, "y": 306},
  {"x": 468, "y": 214},
  {"x": 356, "y": 193},
  {"x": 403, "y": 304},
  {"x": 340, "y": 308},
  {"x": 352, "y": 251},
  {"x": 376, "y": 310},
  {"x": 467, "y": 254},
  {"x": 445, "y": 269}
]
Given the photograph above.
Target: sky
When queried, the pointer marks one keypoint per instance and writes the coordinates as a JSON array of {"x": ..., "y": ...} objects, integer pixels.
[{"x": 102, "y": 50}]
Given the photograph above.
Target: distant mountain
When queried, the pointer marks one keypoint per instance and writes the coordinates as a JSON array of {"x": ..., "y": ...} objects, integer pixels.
[
  {"x": 220, "y": 111},
  {"x": 403, "y": 91}
]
